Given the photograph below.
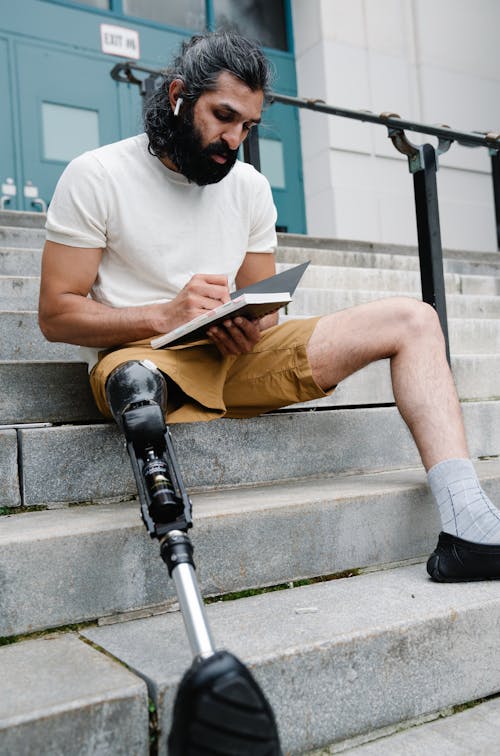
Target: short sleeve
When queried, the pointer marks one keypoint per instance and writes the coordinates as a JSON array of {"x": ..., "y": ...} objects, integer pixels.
[
  {"x": 262, "y": 236},
  {"x": 77, "y": 214}
]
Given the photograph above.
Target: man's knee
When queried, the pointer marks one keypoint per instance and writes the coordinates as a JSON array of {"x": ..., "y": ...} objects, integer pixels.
[{"x": 417, "y": 318}]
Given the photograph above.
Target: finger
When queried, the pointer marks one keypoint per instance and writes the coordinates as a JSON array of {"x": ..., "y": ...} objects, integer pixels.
[
  {"x": 230, "y": 340},
  {"x": 211, "y": 286},
  {"x": 250, "y": 328}
]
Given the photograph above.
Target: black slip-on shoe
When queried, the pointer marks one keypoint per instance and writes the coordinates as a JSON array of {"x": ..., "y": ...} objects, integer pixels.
[{"x": 455, "y": 560}]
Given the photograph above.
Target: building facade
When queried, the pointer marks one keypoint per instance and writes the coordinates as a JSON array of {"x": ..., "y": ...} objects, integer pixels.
[{"x": 434, "y": 61}]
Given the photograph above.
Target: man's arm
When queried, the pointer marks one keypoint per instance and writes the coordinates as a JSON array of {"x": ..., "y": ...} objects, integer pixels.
[
  {"x": 67, "y": 314},
  {"x": 240, "y": 335}
]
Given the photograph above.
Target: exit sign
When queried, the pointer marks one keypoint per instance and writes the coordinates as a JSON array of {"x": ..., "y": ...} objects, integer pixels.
[{"x": 117, "y": 40}]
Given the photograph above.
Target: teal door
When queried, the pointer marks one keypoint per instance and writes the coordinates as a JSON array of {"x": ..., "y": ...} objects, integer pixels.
[
  {"x": 8, "y": 175},
  {"x": 279, "y": 142},
  {"x": 67, "y": 104}
]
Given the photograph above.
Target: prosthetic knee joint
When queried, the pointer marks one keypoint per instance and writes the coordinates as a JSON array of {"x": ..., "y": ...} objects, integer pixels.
[{"x": 137, "y": 396}]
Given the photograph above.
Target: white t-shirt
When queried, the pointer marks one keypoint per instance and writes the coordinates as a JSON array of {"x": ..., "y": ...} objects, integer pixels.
[{"x": 156, "y": 228}]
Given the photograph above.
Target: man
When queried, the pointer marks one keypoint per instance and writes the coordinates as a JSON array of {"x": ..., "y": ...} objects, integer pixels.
[{"x": 159, "y": 228}]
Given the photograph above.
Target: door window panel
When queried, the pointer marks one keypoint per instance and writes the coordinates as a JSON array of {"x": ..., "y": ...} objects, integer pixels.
[
  {"x": 263, "y": 20},
  {"x": 272, "y": 162},
  {"x": 188, "y": 14},
  {"x": 68, "y": 131}
]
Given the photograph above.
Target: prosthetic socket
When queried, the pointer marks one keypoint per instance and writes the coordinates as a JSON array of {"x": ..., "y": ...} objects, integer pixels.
[{"x": 137, "y": 396}]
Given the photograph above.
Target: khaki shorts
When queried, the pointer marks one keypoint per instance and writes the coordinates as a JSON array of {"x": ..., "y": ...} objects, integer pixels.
[{"x": 204, "y": 385}]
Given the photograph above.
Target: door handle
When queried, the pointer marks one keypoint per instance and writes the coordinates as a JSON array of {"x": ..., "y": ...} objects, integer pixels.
[
  {"x": 41, "y": 203},
  {"x": 31, "y": 193},
  {"x": 9, "y": 190}
]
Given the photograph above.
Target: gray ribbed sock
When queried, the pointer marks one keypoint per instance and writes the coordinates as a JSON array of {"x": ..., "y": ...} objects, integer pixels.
[{"x": 465, "y": 509}]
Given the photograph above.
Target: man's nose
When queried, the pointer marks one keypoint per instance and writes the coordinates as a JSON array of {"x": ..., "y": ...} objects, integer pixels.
[{"x": 233, "y": 135}]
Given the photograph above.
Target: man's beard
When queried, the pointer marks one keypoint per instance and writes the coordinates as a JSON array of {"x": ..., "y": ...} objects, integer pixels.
[{"x": 192, "y": 159}]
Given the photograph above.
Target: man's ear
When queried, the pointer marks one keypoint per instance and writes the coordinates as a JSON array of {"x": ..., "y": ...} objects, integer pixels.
[{"x": 175, "y": 91}]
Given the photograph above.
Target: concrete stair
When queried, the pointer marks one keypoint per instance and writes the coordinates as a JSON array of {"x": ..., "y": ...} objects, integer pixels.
[{"x": 328, "y": 497}]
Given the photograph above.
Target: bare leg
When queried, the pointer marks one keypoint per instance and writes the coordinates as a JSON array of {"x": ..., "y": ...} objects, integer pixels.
[{"x": 408, "y": 332}]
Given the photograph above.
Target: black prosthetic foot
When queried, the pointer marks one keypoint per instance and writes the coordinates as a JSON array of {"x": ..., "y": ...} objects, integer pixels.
[{"x": 220, "y": 710}]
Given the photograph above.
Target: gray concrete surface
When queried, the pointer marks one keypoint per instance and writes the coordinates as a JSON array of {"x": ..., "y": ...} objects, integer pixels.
[
  {"x": 19, "y": 262},
  {"x": 319, "y": 302},
  {"x": 58, "y": 392},
  {"x": 341, "y": 658},
  {"x": 62, "y": 698},
  {"x": 10, "y": 495},
  {"x": 84, "y": 463},
  {"x": 23, "y": 340},
  {"x": 97, "y": 561},
  {"x": 473, "y": 732},
  {"x": 46, "y": 392}
]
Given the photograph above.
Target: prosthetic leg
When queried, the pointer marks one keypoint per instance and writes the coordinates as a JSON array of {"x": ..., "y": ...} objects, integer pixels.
[{"x": 219, "y": 709}]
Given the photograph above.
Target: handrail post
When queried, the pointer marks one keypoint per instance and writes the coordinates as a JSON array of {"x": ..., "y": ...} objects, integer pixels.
[
  {"x": 423, "y": 164},
  {"x": 495, "y": 175},
  {"x": 251, "y": 151},
  {"x": 430, "y": 249}
]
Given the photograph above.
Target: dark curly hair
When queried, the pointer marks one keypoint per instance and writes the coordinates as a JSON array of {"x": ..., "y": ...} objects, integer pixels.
[{"x": 200, "y": 61}]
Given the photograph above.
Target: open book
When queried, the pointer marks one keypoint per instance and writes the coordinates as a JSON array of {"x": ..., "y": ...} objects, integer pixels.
[{"x": 253, "y": 301}]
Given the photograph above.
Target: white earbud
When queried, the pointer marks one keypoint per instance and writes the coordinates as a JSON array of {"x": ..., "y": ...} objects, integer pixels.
[{"x": 178, "y": 106}]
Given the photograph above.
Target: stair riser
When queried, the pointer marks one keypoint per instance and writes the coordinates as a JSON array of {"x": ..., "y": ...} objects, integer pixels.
[
  {"x": 23, "y": 340},
  {"x": 17, "y": 236},
  {"x": 21, "y": 292},
  {"x": 48, "y": 392},
  {"x": 108, "y": 563},
  {"x": 402, "y": 262},
  {"x": 59, "y": 392},
  {"x": 22, "y": 219},
  {"x": 327, "y": 277},
  {"x": 322, "y": 301},
  {"x": 10, "y": 495},
  {"x": 19, "y": 262},
  {"x": 90, "y": 462}
]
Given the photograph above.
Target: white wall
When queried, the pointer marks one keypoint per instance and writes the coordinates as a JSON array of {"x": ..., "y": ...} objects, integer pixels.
[{"x": 434, "y": 61}]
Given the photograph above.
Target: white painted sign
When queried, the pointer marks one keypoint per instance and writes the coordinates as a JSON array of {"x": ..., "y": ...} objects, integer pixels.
[{"x": 117, "y": 40}]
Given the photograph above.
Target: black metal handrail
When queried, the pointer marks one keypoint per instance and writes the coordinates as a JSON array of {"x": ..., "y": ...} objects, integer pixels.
[{"x": 422, "y": 163}]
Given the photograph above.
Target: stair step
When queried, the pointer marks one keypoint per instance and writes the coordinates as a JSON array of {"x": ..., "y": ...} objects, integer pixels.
[
  {"x": 89, "y": 462},
  {"x": 313, "y": 244},
  {"x": 59, "y": 392},
  {"x": 321, "y": 301},
  {"x": 326, "y": 276},
  {"x": 60, "y": 696},
  {"x": 19, "y": 236},
  {"x": 488, "y": 263},
  {"x": 22, "y": 218},
  {"x": 104, "y": 556},
  {"x": 23, "y": 340},
  {"x": 21, "y": 291},
  {"x": 476, "y": 730},
  {"x": 19, "y": 262},
  {"x": 335, "y": 659},
  {"x": 51, "y": 392},
  {"x": 466, "y": 335}
]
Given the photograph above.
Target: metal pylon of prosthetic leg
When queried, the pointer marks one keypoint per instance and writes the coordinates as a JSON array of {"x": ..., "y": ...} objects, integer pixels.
[{"x": 219, "y": 707}]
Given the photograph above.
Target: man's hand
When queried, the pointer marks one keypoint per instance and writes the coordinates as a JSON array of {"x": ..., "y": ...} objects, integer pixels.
[
  {"x": 237, "y": 336},
  {"x": 204, "y": 291}
]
